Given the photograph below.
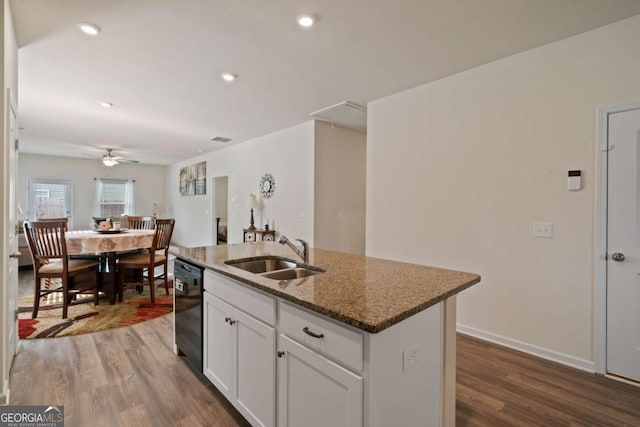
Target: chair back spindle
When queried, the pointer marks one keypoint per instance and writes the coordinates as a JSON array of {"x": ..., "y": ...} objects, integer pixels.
[{"x": 141, "y": 222}]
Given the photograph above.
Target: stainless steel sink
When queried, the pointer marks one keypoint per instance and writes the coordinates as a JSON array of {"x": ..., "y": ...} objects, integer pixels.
[
  {"x": 292, "y": 273},
  {"x": 262, "y": 265},
  {"x": 276, "y": 268}
]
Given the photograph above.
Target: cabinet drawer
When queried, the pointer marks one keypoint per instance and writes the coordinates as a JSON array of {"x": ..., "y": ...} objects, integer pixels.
[
  {"x": 336, "y": 341},
  {"x": 252, "y": 301}
]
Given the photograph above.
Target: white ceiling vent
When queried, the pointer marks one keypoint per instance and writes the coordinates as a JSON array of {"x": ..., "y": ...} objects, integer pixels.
[
  {"x": 345, "y": 114},
  {"x": 220, "y": 139}
]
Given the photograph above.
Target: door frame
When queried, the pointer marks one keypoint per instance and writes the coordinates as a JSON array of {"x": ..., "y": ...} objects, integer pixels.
[{"x": 600, "y": 250}]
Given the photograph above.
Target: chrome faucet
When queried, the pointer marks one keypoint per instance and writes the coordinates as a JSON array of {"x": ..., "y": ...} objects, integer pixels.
[{"x": 304, "y": 253}]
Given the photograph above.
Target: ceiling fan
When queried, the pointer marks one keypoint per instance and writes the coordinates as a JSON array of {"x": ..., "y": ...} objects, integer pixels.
[{"x": 110, "y": 160}]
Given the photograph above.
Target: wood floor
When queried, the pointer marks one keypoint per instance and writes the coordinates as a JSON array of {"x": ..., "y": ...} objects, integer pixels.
[
  {"x": 131, "y": 377},
  {"x": 496, "y": 386}
]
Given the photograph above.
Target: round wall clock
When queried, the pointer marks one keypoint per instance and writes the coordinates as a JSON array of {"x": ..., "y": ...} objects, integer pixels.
[{"x": 267, "y": 185}]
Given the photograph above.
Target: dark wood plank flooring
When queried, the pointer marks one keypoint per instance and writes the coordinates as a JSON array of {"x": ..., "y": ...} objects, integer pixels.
[{"x": 497, "y": 386}]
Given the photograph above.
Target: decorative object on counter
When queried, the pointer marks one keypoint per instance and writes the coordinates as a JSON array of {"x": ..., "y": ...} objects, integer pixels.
[
  {"x": 266, "y": 226},
  {"x": 193, "y": 179},
  {"x": 257, "y": 235},
  {"x": 252, "y": 203},
  {"x": 267, "y": 185}
]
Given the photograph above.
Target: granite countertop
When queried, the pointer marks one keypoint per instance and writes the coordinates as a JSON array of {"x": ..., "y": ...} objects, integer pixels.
[{"x": 370, "y": 294}]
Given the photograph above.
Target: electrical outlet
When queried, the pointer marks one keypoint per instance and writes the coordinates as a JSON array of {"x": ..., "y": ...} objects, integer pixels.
[
  {"x": 542, "y": 229},
  {"x": 410, "y": 358}
]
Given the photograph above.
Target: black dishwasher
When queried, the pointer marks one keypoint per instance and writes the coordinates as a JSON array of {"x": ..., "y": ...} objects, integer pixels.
[{"x": 188, "y": 312}]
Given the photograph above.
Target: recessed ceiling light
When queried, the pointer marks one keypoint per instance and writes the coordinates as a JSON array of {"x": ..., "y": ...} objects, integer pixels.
[
  {"x": 228, "y": 77},
  {"x": 306, "y": 20},
  {"x": 106, "y": 104},
  {"x": 90, "y": 29}
]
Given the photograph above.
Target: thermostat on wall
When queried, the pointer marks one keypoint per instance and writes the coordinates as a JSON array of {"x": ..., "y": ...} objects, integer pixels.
[{"x": 574, "y": 182}]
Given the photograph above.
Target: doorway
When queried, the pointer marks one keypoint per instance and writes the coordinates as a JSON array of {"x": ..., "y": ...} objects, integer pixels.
[
  {"x": 618, "y": 244},
  {"x": 50, "y": 198},
  {"x": 220, "y": 209}
]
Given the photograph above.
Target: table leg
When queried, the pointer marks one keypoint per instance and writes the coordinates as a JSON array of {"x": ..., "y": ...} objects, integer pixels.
[{"x": 109, "y": 276}]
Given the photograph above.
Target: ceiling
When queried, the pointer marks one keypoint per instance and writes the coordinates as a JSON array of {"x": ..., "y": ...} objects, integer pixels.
[{"x": 159, "y": 62}]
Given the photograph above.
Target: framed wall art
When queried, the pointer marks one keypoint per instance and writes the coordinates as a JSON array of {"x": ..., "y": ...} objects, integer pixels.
[{"x": 193, "y": 179}]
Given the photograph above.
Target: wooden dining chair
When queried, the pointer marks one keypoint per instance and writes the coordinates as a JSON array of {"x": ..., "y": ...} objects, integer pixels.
[
  {"x": 157, "y": 255},
  {"x": 63, "y": 219},
  {"x": 50, "y": 260},
  {"x": 141, "y": 222}
]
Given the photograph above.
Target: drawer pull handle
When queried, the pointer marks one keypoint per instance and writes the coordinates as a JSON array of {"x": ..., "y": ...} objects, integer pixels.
[
  {"x": 227, "y": 319},
  {"x": 231, "y": 322},
  {"x": 311, "y": 333},
  {"x": 280, "y": 353}
]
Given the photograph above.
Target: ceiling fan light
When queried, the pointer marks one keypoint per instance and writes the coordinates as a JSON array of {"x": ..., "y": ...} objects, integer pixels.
[
  {"x": 109, "y": 162},
  {"x": 89, "y": 29}
]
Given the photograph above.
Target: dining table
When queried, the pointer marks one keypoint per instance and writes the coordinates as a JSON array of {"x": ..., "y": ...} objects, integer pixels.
[{"x": 106, "y": 244}]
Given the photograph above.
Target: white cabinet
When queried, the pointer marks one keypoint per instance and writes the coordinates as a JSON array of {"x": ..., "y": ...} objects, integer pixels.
[
  {"x": 239, "y": 359},
  {"x": 255, "y": 370},
  {"x": 314, "y": 391},
  {"x": 323, "y": 372},
  {"x": 217, "y": 344}
]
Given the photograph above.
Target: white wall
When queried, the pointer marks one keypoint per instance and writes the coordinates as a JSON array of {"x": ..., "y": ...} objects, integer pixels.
[
  {"x": 286, "y": 154},
  {"x": 340, "y": 181},
  {"x": 458, "y": 170},
  {"x": 149, "y": 185}
]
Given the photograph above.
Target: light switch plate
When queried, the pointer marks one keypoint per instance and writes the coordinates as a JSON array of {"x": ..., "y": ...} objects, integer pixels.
[{"x": 543, "y": 229}]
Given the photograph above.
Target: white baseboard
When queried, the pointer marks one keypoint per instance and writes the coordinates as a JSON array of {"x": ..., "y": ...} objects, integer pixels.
[{"x": 554, "y": 356}]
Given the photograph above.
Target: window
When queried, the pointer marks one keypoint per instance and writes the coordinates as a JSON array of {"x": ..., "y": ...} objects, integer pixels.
[
  {"x": 50, "y": 198},
  {"x": 114, "y": 198}
]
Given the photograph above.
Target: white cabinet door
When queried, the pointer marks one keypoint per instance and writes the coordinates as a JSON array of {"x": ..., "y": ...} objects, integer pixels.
[
  {"x": 314, "y": 391},
  {"x": 255, "y": 383},
  {"x": 218, "y": 342}
]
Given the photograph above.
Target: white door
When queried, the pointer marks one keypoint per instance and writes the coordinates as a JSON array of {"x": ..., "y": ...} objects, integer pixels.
[
  {"x": 12, "y": 270},
  {"x": 218, "y": 344},
  {"x": 50, "y": 198},
  {"x": 315, "y": 392},
  {"x": 623, "y": 245},
  {"x": 255, "y": 395}
]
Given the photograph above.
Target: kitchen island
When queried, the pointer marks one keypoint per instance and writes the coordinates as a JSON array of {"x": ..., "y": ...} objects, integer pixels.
[{"x": 367, "y": 342}]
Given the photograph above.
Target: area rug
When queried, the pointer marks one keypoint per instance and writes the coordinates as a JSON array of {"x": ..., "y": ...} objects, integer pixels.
[{"x": 84, "y": 317}]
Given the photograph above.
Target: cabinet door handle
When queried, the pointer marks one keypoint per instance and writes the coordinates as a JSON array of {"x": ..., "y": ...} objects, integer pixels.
[
  {"x": 280, "y": 353},
  {"x": 231, "y": 322},
  {"x": 227, "y": 319},
  {"x": 307, "y": 331}
]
